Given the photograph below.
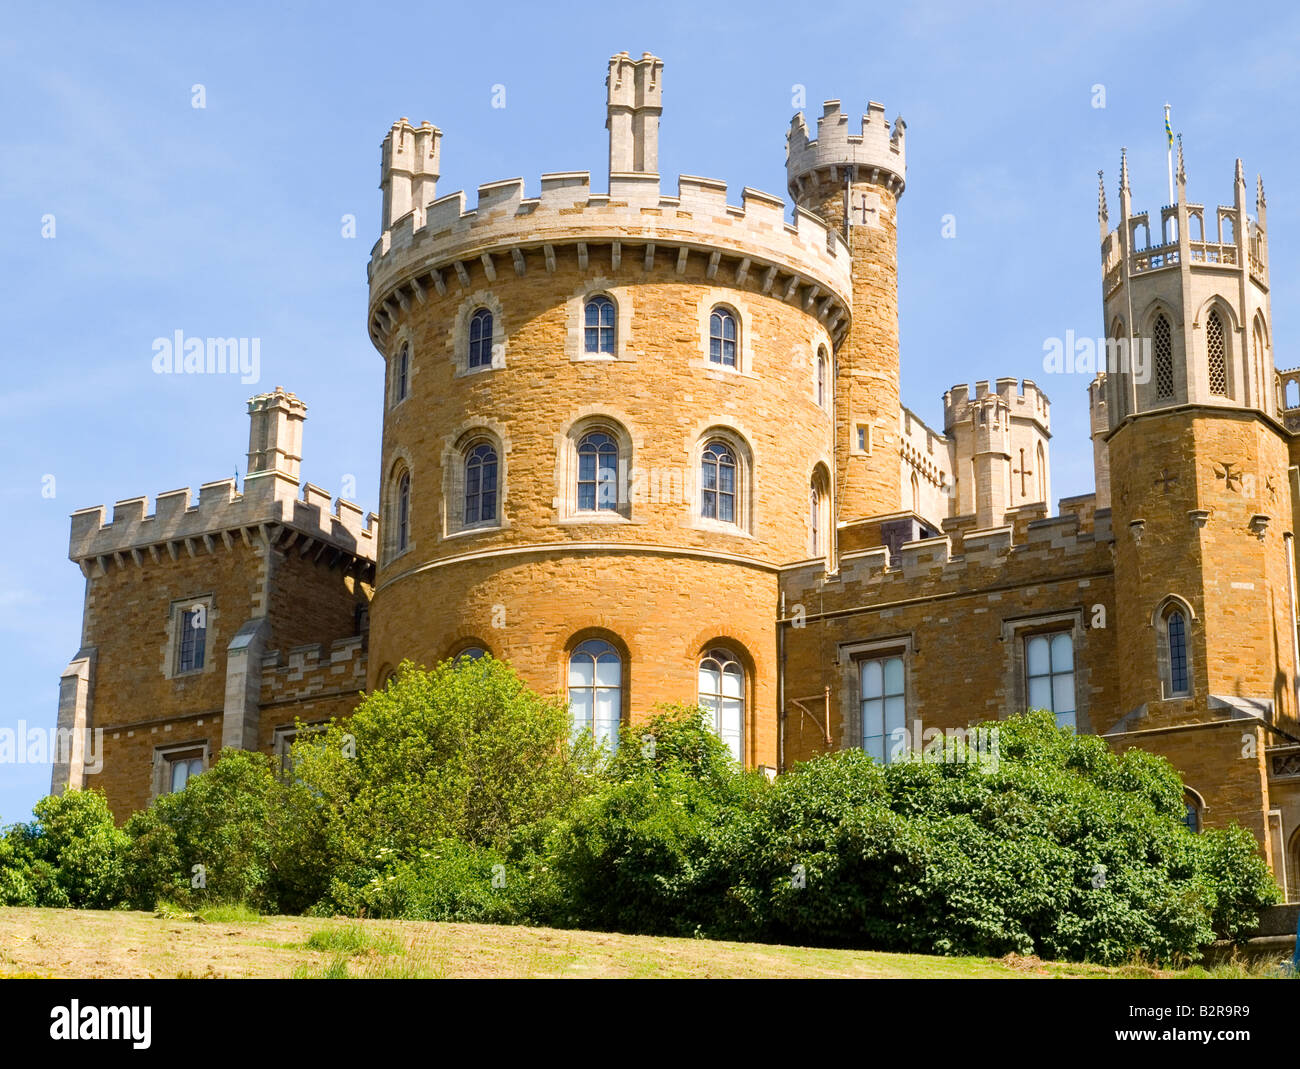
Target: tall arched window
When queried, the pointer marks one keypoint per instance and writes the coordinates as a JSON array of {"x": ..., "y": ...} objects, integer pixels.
[
  {"x": 1163, "y": 352},
  {"x": 597, "y": 472},
  {"x": 1041, "y": 458},
  {"x": 1191, "y": 812},
  {"x": 403, "y": 373},
  {"x": 595, "y": 690},
  {"x": 480, "y": 485},
  {"x": 403, "y": 538},
  {"x": 916, "y": 494},
  {"x": 723, "y": 337},
  {"x": 722, "y": 696},
  {"x": 814, "y": 520},
  {"x": 1175, "y": 629},
  {"x": 598, "y": 326},
  {"x": 480, "y": 339},
  {"x": 1216, "y": 354},
  {"x": 719, "y": 485},
  {"x": 821, "y": 377}
]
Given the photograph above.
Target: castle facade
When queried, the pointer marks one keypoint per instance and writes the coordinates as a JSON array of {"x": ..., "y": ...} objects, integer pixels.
[{"x": 650, "y": 447}]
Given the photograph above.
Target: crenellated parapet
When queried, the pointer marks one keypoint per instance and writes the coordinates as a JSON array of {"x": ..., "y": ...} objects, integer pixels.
[
  {"x": 634, "y": 227},
  {"x": 1016, "y": 398},
  {"x": 1048, "y": 550},
  {"x": 269, "y": 510},
  {"x": 874, "y": 153}
]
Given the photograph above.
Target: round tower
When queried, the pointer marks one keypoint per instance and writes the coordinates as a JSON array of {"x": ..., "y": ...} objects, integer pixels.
[
  {"x": 603, "y": 430},
  {"x": 1199, "y": 491},
  {"x": 853, "y": 181}
]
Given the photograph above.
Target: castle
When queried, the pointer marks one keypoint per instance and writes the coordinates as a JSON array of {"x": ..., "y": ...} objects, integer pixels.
[{"x": 649, "y": 447}]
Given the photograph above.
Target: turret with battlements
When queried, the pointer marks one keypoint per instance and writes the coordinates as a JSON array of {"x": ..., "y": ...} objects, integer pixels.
[{"x": 852, "y": 182}]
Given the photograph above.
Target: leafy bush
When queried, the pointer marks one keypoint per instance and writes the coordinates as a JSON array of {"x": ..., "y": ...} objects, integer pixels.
[
  {"x": 71, "y": 855},
  {"x": 631, "y": 856},
  {"x": 226, "y": 822},
  {"x": 465, "y": 754},
  {"x": 1064, "y": 849}
]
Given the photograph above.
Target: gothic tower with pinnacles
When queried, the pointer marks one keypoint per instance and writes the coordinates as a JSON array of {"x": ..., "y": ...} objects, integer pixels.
[{"x": 647, "y": 445}]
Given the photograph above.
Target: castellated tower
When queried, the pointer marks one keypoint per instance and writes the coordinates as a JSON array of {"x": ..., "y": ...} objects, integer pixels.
[
  {"x": 605, "y": 431},
  {"x": 853, "y": 182},
  {"x": 1201, "y": 500},
  {"x": 999, "y": 449}
]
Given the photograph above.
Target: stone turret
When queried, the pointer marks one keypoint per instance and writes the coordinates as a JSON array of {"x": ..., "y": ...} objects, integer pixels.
[{"x": 852, "y": 181}]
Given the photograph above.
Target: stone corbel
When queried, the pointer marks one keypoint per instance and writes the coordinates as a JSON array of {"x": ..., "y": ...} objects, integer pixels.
[
  {"x": 1199, "y": 516},
  {"x": 1259, "y": 525},
  {"x": 1137, "y": 527}
]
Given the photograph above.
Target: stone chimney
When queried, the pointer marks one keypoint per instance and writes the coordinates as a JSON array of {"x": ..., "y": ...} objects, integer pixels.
[
  {"x": 275, "y": 434},
  {"x": 634, "y": 105}
]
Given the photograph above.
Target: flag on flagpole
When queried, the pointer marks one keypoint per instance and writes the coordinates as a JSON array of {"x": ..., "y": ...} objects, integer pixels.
[{"x": 1169, "y": 131}]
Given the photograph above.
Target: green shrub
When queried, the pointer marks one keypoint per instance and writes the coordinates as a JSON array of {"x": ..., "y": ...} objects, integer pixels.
[
  {"x": 464, "y": 753},
  {"x": 71, "y": 855},
  {"x": 631, "y": 856},
  {"x": 211, "y": 842}
]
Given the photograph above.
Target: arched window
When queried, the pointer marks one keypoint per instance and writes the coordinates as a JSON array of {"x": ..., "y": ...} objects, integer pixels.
[
  {"x": 403, "y": 373},
  {"x": 821, "y": 377},
  {"x": 1041, "y": 459},
  {"x": 480, "y": 338},
  {"x": 597, "y": 472},
  {"x": 814, "y": 520},
  {"x": 1216, "y": 354},
  {"x": 596, "y": 690},
  {"x": 471, "y": 653},
  {"x": 1163, "y": 352},
  {"x": 1175, "y": 629},
  {"x": 719, "y": 485},
  {"x": 598, "y": 324},
  {"x": 480, "y": 485},
  {"x": 403, "y": 512},
  {"x": 723, "y": 337},
  {"x": 1191, "y": 812},
  {"x": 722, "y": 697},
  {"x": 916, "y": 494}
]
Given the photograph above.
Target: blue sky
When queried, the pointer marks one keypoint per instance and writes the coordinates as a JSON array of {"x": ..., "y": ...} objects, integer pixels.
[{"x": 226, "y": 220}]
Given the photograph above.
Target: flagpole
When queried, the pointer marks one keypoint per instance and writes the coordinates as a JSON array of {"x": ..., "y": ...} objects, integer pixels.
[{"x": 1169, "y": 153}]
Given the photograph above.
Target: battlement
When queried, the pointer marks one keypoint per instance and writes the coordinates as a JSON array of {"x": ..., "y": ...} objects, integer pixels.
[
  {"x": 875, "y": 152},
  {"x": 1019, "y": 399},
  {"x": 432, "y": 249},
  {"x": 1049, "y": 550},
  {"x": 270, "y": 500}
]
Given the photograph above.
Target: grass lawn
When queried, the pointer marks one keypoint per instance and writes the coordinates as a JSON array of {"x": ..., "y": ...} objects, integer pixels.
[{"x": 235, "y": 943}]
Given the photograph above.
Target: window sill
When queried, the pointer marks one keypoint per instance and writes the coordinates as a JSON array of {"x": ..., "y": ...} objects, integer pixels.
[
  {"x": 467, "y": 372},
  {"x": 716, "y": 527},
  {"x": 482, "y": 528},
  {"x": 578, "y": 519}
]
